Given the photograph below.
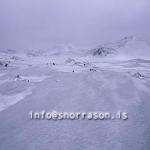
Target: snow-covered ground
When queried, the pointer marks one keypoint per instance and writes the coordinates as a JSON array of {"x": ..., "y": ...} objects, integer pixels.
[{"x": 74, "y": 83}]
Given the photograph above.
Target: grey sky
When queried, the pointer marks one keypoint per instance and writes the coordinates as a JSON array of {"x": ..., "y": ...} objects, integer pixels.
[{"x": 40, "y": 23}]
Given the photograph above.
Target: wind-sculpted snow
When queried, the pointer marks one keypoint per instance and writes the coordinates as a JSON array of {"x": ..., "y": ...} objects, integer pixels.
[
  {"x": 106, "y": 90},
  {"x": 15, "y": 88},
  {"x": 74, "y": 83}
]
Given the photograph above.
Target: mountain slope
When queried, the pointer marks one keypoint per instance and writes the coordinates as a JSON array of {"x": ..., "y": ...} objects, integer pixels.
[{"x": 130, "y": 47}]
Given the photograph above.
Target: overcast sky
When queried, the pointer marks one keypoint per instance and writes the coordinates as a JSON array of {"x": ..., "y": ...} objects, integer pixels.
[{"x": 40, "y": 23}]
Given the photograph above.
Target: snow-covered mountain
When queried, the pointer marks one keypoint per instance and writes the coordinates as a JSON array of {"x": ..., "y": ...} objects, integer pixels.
[
  {"x": 130, "y": 47},
  {"x": 8, "y": 51}
]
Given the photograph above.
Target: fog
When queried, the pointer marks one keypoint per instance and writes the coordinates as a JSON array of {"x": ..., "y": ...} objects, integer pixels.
[{"x": 42, "y": 23}]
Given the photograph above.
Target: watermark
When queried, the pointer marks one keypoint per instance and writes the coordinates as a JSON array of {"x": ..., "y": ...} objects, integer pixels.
[{"x": 54, "y": 115}]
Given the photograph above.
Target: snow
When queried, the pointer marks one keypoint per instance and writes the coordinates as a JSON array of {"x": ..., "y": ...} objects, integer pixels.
[
  {"x": 76, "y": 83},
  {"x": 32, "y": 78},
  {"x": 7, "y": 101},
  {"x": 131, "y": 47}
]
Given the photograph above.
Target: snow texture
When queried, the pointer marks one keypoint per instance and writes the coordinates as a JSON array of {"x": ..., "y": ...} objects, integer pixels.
[{"x": 85, "y": 81}]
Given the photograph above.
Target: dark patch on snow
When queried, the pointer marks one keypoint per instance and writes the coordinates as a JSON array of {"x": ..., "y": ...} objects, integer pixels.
[
  {"x": 138, "y": 75},
  {"x": 103, "y": 51},
  {"x": 92, "y": 69}
]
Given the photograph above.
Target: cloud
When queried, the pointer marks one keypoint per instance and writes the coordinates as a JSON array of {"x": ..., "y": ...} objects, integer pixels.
[{"x": 38, "y": 24}]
